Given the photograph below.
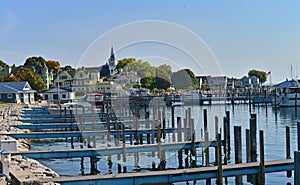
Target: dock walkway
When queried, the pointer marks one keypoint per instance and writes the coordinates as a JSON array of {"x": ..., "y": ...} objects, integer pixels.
[{"x": 179, "y": 175}]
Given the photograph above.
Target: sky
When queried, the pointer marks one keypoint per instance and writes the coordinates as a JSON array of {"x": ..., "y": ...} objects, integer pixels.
[{"x": 210, "y": 37}]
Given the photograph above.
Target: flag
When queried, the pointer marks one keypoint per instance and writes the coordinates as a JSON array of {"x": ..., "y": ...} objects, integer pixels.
[{"x": 268, "y": 73}]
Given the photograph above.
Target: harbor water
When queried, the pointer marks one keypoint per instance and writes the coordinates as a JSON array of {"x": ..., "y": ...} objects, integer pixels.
[{"x": 272, "y": 121}]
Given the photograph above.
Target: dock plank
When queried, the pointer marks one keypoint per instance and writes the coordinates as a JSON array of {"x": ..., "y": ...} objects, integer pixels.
[
  {"x": 179, "y": 175},
  {"x": 88, "y": 152}
]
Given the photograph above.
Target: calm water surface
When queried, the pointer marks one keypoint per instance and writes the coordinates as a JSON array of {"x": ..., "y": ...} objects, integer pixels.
[{"x": 272, "y": 121}]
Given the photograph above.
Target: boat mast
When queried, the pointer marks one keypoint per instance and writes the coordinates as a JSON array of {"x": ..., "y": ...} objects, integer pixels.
[{"x": 292, "y": 72}]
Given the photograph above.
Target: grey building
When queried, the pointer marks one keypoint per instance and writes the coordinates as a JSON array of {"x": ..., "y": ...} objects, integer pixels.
[{"x": 16, "y": 92}]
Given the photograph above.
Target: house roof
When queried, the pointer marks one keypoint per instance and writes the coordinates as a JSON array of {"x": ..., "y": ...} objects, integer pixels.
[
  {"x": 55, "y": 90},
  {"x": 14, "y": 87},
  {"x": 128, "y": 75}
]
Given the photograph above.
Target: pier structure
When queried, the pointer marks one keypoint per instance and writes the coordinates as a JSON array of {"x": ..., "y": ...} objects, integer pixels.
[{"x": 182, "y": 136}]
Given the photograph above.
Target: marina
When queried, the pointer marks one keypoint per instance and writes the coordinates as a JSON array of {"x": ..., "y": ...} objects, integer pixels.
[{"x": 178, "y": 141}]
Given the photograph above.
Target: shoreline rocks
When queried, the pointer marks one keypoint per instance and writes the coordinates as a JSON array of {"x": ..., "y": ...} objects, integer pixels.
[{"x": 19, "y": 163}]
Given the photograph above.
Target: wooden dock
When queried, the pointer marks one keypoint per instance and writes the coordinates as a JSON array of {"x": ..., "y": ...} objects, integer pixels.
[
  {"x": 173, "y": 176},
  {"x": 104, "y": 151},
  {"x": 43, "y": 135}
]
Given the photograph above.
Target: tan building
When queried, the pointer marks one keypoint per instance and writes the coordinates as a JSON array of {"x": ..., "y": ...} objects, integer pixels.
[
  {"x": 85, "y": 79},
  {"x": 63, "y": 79},
  {"x": 104, "y": 87}
]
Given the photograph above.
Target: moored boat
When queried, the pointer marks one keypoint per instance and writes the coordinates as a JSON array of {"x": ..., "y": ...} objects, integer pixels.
[{"x": 289, "y": 97}]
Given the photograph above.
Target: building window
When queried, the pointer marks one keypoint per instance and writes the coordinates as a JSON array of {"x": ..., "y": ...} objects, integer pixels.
[
  {"x": 0, "y": 96},
  {"x": 9, "y": 96},
  {"x": 64, "y": 96},
  {"x": 63, "y": 77}
]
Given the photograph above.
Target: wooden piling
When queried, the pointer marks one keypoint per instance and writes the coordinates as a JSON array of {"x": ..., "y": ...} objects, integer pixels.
[
  {"x": 216, "y": 126},
  {"x": 219, "y": 161},
  {"x": 238, "y": 150},
  {"x": 173, "y": 116},
  {"x": 119, "y": 168},
  {"x": 228, "y": 132},
  {"x": 136, "y": 130},
  {"x": 206, "y": 138},
  {"x": 108, "y": 127},
  {"x": 164, "y": 123},
  {"x": 225, "y": 135},
  {"x": 216, "y": 134},
  {"x": 238, "y": 144},
  {"x": 185, "y": 129},
  {"x": 193, "y": 148},
  {"x": 298, "y": 135},
  {"x": 159, "y": 140},
  {"x": 179, "y": 129},
  {"x": 249, "y": 99},
  {"x": 288, "y": 148},
  {"x": 248, "y": 150},
  {"x": 124, "y": 143},
  {"x": 65, "y": 113},
  {"x": 253, "y": 142},
  {"x": 179, "y": 132},
  {"x": 261, "y": 178},
  {"x": 117, "y": 131},
  {"x": 205, "y": 119}
]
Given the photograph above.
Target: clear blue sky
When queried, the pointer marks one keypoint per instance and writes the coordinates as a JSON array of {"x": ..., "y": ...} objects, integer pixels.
[{"x": 243, "y": 35}]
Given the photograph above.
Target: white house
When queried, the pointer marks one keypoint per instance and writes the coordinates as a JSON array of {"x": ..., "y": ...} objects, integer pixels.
[
  {"x": 127, "y": 78},
  {"x": 60, "y": 93}
]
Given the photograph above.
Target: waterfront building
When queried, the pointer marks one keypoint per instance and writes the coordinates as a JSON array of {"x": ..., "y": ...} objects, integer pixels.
[
  {"x": 58, "y": 93},
  {"x": 16, "y": 92}
]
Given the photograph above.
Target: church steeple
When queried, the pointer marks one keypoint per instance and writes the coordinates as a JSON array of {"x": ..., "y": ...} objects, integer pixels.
[
  {"x": 112, "y": 62},
  {"x": 112, "y": 54}
]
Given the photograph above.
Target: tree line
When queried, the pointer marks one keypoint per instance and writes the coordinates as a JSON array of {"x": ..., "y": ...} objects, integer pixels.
[{"x": 161, "y": 77}]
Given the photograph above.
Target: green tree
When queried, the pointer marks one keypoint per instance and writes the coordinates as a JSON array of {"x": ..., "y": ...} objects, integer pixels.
[
  {"x": 155, "y": 82},
  {"x": 36, "y": 62},
  {"x": 147, "y": 81},
  {"x": 161, "y": 73},
  {"x": 261, "y": 75},
  {"x": 167, "y": 68},
  {"x": 3, "y": 64},
  {"x": 124, "y": 62},
  {"x": 34, "y": 79},
  {"x": 160, "y": 83},
  {"x": 143, "y": 69},
  {"x": 184, "y": 79}
]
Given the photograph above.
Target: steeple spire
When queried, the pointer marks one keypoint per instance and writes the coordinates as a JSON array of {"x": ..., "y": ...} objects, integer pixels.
[
  {"x": 112, "y": 62},
  {"x": 112, "y": 54}
]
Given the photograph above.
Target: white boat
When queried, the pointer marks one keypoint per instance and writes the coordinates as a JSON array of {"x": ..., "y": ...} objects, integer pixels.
[{"x": 289, "y": 97}]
